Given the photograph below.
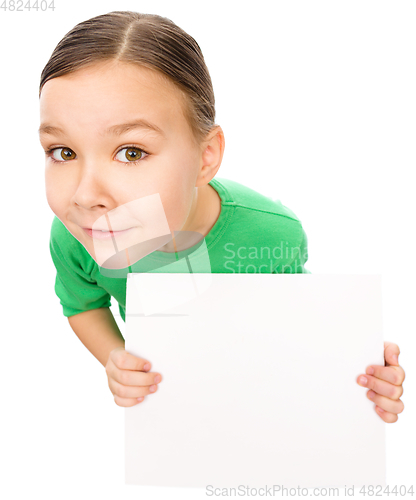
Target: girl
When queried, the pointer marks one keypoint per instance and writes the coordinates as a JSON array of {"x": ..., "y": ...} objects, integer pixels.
[{"x": 126, "y": 101}]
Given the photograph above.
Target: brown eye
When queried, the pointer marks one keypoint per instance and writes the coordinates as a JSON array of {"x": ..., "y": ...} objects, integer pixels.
[
  {"x": 64, "y": 154},
  {"x": 131, "y": 153}
]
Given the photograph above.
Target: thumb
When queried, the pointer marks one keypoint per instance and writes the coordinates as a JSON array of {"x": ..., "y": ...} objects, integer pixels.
[{"x": 391, "y": 354}]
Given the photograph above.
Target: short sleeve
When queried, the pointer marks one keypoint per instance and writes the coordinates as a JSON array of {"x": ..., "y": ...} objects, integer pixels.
[
  {"x": 297, "y": 265},
  {"x": 77, "y": 291}
]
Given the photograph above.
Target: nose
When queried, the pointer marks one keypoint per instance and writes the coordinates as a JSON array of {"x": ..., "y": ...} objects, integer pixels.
[{"x": 92, "y": 189}]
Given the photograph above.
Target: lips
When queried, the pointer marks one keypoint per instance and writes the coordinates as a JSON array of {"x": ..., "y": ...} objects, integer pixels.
[
  {"x": 105, "y": 230},
  {"x": 103, "y": 235}
]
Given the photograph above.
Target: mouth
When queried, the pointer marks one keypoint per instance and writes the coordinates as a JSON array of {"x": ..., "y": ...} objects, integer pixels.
[{"x": 104, "y": 234}]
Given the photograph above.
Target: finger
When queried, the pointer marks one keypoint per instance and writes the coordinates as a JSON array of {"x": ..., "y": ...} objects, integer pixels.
[
  {"x": 391, "y": 354},
  {"x": 388, "y": 417},
  {"x": 393, "y": 374},
  {"x": 133, "y": 378},
  {"x": 127, "y": 361},
  {"x": 125, "y": 391},
  {"x": 386, "y": 404},
  {"x": 380, "y": 387},
  {"x": 126, "y": 402}
]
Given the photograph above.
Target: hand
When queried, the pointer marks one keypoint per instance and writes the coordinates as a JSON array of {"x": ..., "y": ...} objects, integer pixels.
[
  {"x": 127, "y": 377},
  {"x": 385, "y": 384}
]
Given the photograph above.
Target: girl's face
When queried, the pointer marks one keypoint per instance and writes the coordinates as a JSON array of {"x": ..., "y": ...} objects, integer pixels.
[{"x": 83, "y": 117}]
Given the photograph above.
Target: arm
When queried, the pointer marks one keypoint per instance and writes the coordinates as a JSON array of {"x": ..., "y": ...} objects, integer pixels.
[
  {"x": 128, "y": 377},
  {"x": 98, "y": 331}
]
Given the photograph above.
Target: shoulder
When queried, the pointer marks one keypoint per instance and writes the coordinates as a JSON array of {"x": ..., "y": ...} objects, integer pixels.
[
  {"x": 63, "y": 244},
  {"x": 259, "y": 212},
  {"x": 61, "y": 236},
  {"x": 58, "y": 230}
]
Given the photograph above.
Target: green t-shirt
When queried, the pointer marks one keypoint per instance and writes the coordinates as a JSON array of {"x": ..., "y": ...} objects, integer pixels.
[{"x": 252, "y": 234}]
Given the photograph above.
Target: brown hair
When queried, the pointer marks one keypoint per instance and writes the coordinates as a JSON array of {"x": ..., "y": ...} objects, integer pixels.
[{"x": 148, "y": 40}]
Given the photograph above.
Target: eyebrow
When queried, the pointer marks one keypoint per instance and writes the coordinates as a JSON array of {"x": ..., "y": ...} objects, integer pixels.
[{"x": 117, "y": 130}]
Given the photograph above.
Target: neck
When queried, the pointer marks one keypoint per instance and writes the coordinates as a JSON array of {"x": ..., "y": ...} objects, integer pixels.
[{"x": 205, "y": 210}]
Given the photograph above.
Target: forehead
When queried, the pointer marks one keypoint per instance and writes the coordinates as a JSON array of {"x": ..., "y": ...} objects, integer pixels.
[{"x": 111, "y": 92}]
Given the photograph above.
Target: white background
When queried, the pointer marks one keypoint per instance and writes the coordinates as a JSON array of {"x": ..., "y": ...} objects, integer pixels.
[{"x": 317, "y": 103}]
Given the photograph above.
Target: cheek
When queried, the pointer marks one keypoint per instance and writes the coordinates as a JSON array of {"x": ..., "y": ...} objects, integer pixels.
[
  {"x": 175, "y": 189},
  {"x": 176, "y": 204},
  {"x": 55, "y": 193}
]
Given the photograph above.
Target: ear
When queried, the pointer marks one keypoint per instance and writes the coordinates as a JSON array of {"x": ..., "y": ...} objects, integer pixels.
[{"x": 212, "y": 151}]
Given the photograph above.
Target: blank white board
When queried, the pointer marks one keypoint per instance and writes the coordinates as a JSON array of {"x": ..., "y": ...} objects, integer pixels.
[{"x": 259, "y": 380}]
